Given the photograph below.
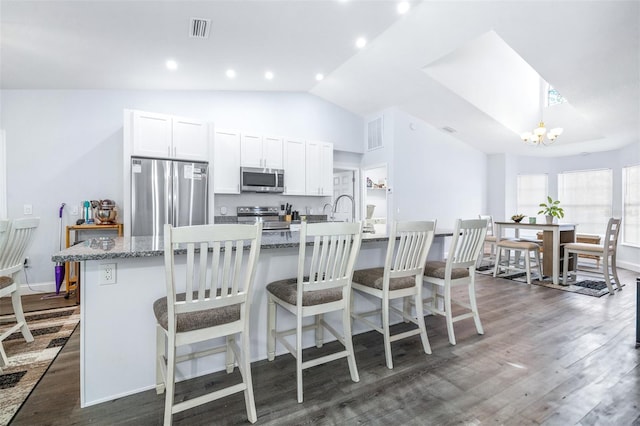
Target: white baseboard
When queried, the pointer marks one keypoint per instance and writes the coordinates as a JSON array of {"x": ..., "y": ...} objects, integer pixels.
[{"x": 628, "y": 266}]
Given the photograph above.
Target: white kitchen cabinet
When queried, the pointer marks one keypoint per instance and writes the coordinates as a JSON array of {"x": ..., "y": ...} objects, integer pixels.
[
  {"x": 151, "y": 134},
  {"x": 319, "y": 168},
  {"x": 294, "y": 167},
  {"x": 273, "y": 152},
  {"x": 261, "y": 151},
  {"x": 226, "y": 162},
  {"x": 190, "y": 139},
  {"x": 164, "y": 136}
]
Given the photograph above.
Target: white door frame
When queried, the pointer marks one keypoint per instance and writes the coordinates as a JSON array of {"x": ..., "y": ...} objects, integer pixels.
[
  {"x": 357, "y": 175},
  {"x": 363, "y": 189}
]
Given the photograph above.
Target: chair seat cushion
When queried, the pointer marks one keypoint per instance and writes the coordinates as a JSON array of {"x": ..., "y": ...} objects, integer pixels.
[
  {"x": 5, "y": 282},
  {"x": 518, "y": 245},
  {"x": 287, "y": 290},
  {"x": 436, "y": 269},
  {"x": 372, "y": 277},
  {"x": 195, "y": 320},
  {"x": 595, "y": 248}
]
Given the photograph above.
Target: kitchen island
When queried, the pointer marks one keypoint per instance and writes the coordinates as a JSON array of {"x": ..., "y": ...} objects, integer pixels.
[{"x": 117, "y": 326}]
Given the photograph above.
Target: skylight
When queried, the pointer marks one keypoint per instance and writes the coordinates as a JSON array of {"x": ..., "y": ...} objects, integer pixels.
[{"x": 554, "y": 97}]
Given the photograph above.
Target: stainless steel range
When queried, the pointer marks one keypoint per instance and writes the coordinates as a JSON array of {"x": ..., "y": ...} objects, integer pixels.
[{"x": 267, "y": 215}]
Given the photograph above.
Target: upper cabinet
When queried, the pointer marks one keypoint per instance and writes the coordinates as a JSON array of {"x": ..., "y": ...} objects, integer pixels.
[
  {"x": 319, "y": 168},
  {"x": 165, "y": 136},
  {"x": 226, "y": 162},
  {"x": 261, "y": 151},
  {"x": 190, "y": 139},
  {"x": 294, "y": 167}
]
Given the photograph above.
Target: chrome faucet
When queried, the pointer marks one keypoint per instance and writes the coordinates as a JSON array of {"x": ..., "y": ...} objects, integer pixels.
[
  {"x": 353, "y": 205},
  {"x": 330, "y": 216}
]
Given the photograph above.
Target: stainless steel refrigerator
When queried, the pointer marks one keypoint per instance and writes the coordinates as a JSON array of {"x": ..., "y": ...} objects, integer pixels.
[{"x": 165, "y": 191}]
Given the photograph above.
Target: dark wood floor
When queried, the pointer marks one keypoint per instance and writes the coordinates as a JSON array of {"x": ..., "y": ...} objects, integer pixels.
[{"x": 547, "y": 357}]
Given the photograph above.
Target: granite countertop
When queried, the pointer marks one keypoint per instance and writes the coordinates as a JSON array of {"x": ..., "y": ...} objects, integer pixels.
[{"x": 104, "y": 248}]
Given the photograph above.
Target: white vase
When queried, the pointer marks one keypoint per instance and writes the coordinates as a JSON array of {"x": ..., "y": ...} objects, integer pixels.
[{"x": 549, "y": 219}]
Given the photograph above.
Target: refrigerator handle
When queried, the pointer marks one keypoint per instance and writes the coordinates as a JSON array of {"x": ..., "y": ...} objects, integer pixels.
[
  {"x": 168, "y": 197},
  {"x": 176, "y": 195}
]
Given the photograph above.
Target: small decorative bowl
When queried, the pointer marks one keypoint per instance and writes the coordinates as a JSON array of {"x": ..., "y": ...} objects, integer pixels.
[{"x": 517, "y": 218}]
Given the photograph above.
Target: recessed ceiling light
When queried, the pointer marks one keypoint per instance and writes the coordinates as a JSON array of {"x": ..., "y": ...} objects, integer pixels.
[
  {"x": 403, "y": 7},
  {"x": 319, "y": 76},
  {"x": 172, "y": 65},
  {"x": 361, "y": 42},
  {"x": 231, "y": 73},
  {"x": 268, "y": 75}
]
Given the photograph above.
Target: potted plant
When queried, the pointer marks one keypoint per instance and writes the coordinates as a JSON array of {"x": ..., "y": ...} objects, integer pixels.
[{"x": 551, "y": 209}]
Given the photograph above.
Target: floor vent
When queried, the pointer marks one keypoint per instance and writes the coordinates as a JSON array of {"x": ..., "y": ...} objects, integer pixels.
[
  {"x": 199, "y": 28},
  {"x": 374, "y": 134}
]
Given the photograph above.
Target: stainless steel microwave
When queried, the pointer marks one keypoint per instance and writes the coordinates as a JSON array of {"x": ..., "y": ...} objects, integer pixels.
[{"x": 254, "y": 179}]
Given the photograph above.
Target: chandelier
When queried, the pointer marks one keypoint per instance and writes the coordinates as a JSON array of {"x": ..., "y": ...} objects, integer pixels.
[{"x": 537, "y": 137}]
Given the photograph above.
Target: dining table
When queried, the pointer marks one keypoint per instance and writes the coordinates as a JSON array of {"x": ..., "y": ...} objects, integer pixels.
[{"x": 555, "y": 236}]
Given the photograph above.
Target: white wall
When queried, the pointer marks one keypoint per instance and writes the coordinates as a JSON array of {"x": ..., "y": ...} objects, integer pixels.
[
  {"x": 628, "y": 256},
  {"x": 66, "y": 146},
  {"x": 435, "y": 176}
]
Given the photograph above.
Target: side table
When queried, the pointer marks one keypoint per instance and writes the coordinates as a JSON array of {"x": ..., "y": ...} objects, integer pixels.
[{"x": 72, "y": 276}]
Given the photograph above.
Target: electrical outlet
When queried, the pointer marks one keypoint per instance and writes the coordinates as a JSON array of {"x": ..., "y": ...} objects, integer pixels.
[
  {"x": 27, "y": 262},
  {"x": 107, "y": 273},
  {"x": 74, "y": 211},
  {"x": 27, "y": 209}
]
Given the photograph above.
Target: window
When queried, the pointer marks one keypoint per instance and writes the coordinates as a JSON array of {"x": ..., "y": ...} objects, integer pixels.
[
  {"x": 586, "y": 197},
  {"x": 532, "y": 190},
  {"x": 554, "y": 97},
  {"x": 631, "y": 206}
]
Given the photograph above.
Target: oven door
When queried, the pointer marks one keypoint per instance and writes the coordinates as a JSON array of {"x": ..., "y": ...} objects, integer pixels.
[{"x": 262, "y": 180}]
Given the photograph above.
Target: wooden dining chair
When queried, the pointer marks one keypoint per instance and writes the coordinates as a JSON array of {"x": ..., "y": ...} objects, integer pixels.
[
  {"x": 400, "y": 278},
  {"x": 217, "y": 281},
  {"x": 15, "y": 239},
  {"x": 607, "y": 251},
  {"x": 489, "y": 241},
  {"x": 322, "y": 285},
  {"x": 457, "y": 270}
]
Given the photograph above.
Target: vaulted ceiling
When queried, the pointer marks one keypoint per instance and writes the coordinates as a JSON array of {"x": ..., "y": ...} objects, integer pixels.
[{"x": 464, "y": 65}]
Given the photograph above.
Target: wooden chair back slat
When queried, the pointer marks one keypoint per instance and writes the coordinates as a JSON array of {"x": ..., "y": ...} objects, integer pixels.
[
  {"x": 468, "y": 239},
  {"x": 4, "y": 233},
  {"x": 409, "y": 244},
  {"x": 333, "y": 254},
  {"x": 216, "y": 274},
  {"x": 611, "y": 237},
  {"x": 17, "y": 242}
]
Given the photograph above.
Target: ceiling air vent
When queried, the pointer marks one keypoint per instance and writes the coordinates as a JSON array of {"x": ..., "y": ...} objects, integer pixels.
[
  {"x": 374, "y": 134},
  {"x": 199, "y": 28}
]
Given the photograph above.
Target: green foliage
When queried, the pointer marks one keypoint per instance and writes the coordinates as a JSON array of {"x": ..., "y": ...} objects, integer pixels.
[
  {"x": 517, "y": 217},
  {"x": 551, "y": 208}
]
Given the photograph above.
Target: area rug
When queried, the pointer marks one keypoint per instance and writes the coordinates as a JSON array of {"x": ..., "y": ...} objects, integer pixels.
[
  {"x": 29, "y": 361},
  {"x": 581, "y": 285}
]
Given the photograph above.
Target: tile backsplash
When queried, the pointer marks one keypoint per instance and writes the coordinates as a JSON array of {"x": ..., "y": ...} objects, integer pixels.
[{"x": 305, "y": 205}]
